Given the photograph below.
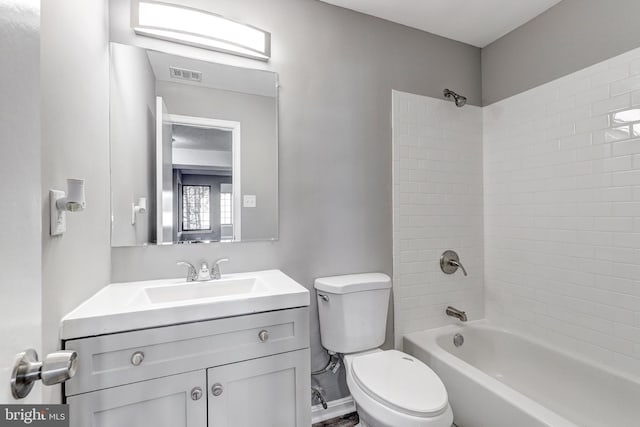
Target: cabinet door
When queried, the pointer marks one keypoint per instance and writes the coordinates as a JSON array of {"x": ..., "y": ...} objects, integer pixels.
[
  {"x": 163, "y": 402},
  {"x": 271, "y": 391}
]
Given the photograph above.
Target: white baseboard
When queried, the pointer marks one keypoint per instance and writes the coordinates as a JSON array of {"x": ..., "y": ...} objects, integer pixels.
[{"x": 335, "y": 408}]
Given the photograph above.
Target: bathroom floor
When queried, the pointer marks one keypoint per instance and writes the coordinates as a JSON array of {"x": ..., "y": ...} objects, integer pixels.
[{"x": 348, "y": 420}]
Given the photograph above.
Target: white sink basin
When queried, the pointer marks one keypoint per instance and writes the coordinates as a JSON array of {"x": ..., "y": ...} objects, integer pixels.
[
  {"x": 211, "y": 289},
  {"x": 137, "y": 305}
]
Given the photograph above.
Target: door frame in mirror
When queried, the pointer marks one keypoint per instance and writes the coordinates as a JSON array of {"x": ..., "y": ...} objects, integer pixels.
[{"x": 236, "y": 173}]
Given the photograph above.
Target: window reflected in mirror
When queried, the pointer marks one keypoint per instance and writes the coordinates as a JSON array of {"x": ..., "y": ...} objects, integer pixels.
[{"x": 196, "y": 207}]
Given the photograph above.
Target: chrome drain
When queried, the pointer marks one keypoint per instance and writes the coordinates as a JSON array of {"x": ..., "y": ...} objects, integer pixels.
[{"x": 458, "y": 340}]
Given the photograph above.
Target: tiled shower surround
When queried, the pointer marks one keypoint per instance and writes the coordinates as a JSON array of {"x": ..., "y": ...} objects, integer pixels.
[
  {"x": 561, "y": 196},
  {"x": 437, "y": 170},
  {"x": 562, "y": 211}
]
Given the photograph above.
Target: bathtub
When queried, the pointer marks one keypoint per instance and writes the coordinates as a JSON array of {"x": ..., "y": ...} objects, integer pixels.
[{"x": 497, "y": 378}]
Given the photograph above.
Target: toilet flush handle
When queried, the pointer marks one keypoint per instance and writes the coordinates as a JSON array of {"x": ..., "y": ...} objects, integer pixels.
[{"x": 323, "y": 297}]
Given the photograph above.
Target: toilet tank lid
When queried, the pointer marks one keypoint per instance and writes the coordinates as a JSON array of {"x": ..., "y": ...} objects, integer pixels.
[{"x": 353, "y": 283}]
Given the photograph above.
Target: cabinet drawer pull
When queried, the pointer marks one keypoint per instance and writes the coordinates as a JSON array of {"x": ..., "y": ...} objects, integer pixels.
[
  {"x": 263, "y": 335},
  {"x": 196, "y": 393},
  {"x": 137, "y": 358},
  {"x": 217, "y": 389}
]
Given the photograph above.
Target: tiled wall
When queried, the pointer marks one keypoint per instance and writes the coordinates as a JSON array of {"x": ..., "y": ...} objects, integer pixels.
[
  {"x": 562, "y": 212},
  {"x": 437, "y": 203}
]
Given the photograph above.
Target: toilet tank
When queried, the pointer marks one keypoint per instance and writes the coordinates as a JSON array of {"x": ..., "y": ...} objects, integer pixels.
[{"x": 353, "y": 311}]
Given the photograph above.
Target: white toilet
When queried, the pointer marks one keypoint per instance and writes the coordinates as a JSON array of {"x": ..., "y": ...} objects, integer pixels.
[{"x": 390, "y": 388}]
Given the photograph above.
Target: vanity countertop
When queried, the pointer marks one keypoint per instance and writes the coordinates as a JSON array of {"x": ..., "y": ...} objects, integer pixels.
[{"x": 121, "y": 307}]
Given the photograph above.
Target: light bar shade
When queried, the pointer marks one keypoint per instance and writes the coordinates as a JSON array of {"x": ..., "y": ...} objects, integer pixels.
[{"x": 199, "y": 28}]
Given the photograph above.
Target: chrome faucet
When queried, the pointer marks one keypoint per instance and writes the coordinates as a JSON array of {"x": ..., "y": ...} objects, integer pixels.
[
  {"x": 205, "y": 273},
  {"x": 458, "y": 314}
]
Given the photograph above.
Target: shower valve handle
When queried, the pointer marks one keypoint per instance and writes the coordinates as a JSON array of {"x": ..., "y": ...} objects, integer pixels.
[
  {"x": 450, "y": 263},
  {"x": 457, "y": 264}
]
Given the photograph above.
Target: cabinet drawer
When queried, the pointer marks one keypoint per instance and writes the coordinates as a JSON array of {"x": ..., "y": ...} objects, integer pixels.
[{"x": 112, "y": 360}]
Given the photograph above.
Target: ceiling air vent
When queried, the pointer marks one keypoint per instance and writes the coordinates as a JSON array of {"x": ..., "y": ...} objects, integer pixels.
[{"x": 184, "y": 74}]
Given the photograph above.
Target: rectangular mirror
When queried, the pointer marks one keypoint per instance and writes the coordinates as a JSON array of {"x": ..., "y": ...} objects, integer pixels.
[{"x": 194, "y": 150}]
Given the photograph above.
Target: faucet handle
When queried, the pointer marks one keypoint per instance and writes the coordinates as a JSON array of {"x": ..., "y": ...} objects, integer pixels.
[
  {"x": 459, "y": 265},
  {"x": 450, "y": 262},
  {"x": 215, "y": 267},
  {"x": 191, "y": 272}
]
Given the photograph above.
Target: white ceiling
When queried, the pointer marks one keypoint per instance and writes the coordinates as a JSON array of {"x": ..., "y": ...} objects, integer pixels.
[
  {"x": 201, "y": 138},
  {"x": 475, "y": 22},
  {"x": 218, "y": 76}
]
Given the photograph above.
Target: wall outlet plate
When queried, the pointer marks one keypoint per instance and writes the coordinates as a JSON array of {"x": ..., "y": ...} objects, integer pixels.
[
  {"x": 249, "y": 201},
  {"x": 58, "y": 218}
]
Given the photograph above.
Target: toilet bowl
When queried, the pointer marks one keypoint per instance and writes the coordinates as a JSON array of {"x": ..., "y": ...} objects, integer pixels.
[
  {"x": 393, "y": 389},
  {"x": 390, "y": 388}
]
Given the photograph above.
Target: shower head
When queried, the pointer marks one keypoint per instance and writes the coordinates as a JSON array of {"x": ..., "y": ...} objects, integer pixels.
[{"x": 458, "y": 99}]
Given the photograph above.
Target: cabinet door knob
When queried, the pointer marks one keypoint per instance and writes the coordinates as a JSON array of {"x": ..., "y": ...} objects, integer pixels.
[
  {"x": 196, "y": 393},
  {"x": 217, "y": 389},
  {"x": 137, "y": 358},
  {"x": 263, "y": 335}
]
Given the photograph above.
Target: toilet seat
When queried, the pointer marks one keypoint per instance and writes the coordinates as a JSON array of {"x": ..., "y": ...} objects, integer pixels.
[{"x": 401, "y": 382}]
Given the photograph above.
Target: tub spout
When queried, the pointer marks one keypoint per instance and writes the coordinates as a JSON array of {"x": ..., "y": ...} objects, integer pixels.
[{"x": 458, "y": 314}]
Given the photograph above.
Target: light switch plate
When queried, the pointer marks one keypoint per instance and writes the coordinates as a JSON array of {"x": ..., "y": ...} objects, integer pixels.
[
  {"x": 249, "y": 201},
  {"x": 58, "y": 219}
]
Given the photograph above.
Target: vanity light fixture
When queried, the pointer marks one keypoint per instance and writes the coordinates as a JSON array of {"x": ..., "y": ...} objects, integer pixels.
[
  {"x": 199, "y": 28},
  {"x": 60, "y": 203}
]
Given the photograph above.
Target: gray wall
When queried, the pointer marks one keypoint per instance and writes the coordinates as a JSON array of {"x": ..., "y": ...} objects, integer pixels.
[
  {"x": 568, "y": 37},
  {"x": 75, "y": 143},
  {"x": 133, "y": 144},
  {"x": 337, "y": 69},
  {"x": 258, "y": 139}
]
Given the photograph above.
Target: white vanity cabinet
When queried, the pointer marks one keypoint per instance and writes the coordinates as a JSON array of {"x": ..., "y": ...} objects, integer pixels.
[{"x": 239, "y": 371}]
